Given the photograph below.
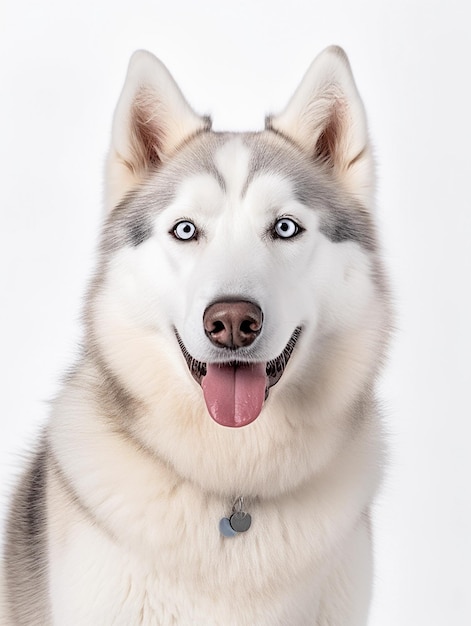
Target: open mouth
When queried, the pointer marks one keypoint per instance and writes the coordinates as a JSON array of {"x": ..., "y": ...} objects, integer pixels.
[{"x": 235, "y": 391}]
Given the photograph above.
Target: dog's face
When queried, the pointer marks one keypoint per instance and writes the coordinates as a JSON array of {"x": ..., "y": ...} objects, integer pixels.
[{"x": 225, "y": 255}]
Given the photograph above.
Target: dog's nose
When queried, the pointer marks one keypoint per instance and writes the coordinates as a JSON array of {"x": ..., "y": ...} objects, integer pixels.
[{"x": 233, "y": 324}]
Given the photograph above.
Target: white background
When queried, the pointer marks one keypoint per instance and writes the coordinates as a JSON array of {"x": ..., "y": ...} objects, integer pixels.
[{"x": 61, "y": 69}]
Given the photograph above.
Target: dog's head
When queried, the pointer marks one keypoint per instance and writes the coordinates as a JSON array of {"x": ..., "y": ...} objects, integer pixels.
[{"x": 226, "y": 257}]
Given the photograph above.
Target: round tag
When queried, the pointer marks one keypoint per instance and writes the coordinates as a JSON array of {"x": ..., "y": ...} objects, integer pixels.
[
  {"x": 240, "y": 521},
  {"x": 226, "y": 529}
]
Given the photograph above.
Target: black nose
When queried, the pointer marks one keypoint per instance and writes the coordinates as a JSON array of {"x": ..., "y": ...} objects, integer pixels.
[{"x": 233, "y": 324}]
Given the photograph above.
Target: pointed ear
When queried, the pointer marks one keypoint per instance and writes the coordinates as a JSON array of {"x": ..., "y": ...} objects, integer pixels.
[
  {"x": 326, "y": 118},
  {"x": 152, "y": 119}
]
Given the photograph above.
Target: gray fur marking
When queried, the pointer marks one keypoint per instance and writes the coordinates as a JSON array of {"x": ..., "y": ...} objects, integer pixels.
[
  {"x": 25, "y": 547},
  {"x": 75, "y": 498},
  {"x": 342, "y": 217}
]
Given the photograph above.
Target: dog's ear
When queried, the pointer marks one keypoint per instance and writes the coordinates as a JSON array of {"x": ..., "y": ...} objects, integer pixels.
[
  {"x": 326, "y": 118},
  {"x": 152, "y": 119}
]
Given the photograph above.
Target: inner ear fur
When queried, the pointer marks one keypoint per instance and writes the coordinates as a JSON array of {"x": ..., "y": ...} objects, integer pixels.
[
  {"x": 152, "y": 119},
  {"x": 326, "y": 119}
]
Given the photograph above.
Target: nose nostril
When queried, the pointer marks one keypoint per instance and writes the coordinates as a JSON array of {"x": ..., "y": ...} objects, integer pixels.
[
  {"x": 233, "y": 324},
  {"x": 218, "y": 327},
  {"x": 249, "y": 326}
]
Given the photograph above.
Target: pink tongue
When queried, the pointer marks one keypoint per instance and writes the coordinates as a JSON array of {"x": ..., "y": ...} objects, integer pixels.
[{"x": 234, "y": 396}]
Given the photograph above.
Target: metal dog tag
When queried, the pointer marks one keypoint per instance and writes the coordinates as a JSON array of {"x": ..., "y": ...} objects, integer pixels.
[
  {"x": 226, "y": 529},
  {"x": 240, "y": 521}
]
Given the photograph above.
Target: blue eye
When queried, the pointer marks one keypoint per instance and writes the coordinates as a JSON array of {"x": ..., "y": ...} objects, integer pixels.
[
  {"x": 285, "y": 228},
  {"x": 185, "y": 230}
]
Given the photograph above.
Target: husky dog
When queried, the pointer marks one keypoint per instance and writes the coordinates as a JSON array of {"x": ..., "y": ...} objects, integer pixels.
[{"x": 212, "y": 457}]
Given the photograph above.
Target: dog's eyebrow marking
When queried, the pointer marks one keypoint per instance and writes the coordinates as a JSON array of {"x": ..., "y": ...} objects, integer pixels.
[
  {"x": 200, "y": 159},
  {"x": 211, "y": 168},
  {"x": 340, "y": 219},
  {"x": 262, "y": 158}
]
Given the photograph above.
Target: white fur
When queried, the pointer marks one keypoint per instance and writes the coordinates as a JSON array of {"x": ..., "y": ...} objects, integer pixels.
[
  {"x": 173, "y": 497},
  {"x": 170, "y": 561},
  {"x": 134, "y": 500}
]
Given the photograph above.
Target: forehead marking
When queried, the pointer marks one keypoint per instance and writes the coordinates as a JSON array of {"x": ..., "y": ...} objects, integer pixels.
[{"x": 232, "y": 161}]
